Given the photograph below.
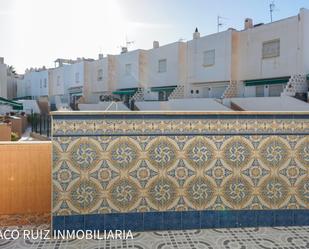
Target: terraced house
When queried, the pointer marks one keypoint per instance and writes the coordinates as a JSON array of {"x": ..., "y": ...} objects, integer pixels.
[{"x": 259, "y": 61}]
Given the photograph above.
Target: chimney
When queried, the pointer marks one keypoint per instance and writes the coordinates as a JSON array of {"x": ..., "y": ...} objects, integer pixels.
[
  {"x": 101, "y": 56},
  {"x": 248, "y": 23},
  {"x": 196, "y": 34},
  {"x": 156, "y": 44},
  {"x": 124, "y": 50},
  {"x": 1, "y": 60}
]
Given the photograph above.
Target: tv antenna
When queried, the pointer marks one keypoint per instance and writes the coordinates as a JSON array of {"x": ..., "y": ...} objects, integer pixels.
[
  {"x": 271, "y": 10},
  {"x": 126, "y": 46},
  {"x": 128, "y": 43},
  {"x": 219, "y": 22}
]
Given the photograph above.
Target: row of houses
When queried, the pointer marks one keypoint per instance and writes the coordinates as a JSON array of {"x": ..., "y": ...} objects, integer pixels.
[{"x": 260, "y": 60}]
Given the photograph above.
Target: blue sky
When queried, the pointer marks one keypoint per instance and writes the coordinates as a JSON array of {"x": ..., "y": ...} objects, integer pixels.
[{"x": 36, "y": 32}]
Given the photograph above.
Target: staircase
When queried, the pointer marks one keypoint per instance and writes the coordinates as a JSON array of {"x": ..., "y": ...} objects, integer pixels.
[
  {"x": 297, "y": 84},
  {"x": 177, "y": 93},
  {"x": 139, "y": 95},
  {"x": 231, "y": 90}
]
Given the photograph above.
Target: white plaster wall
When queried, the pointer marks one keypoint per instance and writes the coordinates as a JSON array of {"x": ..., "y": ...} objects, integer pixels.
[
  {"x": 32, "y": 82},
  {"x": 67, "y": 74},
  {"x": 251, "y": 65},
  {"x": 221, "y": 70},
  {"x": 175, "y": 55},
  {"x": 11, "y": 86},
  {"x": 70, "y": 72},
  {"x": 56, "y": 89},
  {"x": 304, "y": 15},
  {"x": 96, "y": 85},
  {"x": 21, "y": 88},
  {"x": 3, "y": 81},
  {"x": 123, "y": 80}
]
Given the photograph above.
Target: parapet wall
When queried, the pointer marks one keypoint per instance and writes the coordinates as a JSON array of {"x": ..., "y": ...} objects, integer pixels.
[{"x": 153, "y": 171}]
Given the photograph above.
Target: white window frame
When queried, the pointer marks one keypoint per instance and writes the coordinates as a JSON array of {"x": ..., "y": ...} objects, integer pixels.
[
  {"x": 58, "y": 80},
  {"x": 100, "y": 74},
  {"x": 271, "y": 49},
  {"x": 77, "y": 78},
  {"x": 209, "y": 58},
  {"x": 162, "y": 66},
  {"x": 128, "y": 69}
]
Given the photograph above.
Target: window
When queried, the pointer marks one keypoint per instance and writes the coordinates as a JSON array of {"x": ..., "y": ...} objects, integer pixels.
[
  {"x": 45, "y": 83},
  {"x": 163, "y": 96},
  {"x": 209, "y": 58},
  {"x": 77, "y": 77},
  {"x": 275, "y": 90},
  {"x": 40, "y": 83},
  {"x": 128, "y": 69},
  {"x": 259, "y": 91},
  {"x": 100, "y": 74},
  {"x": 197, "y": 91},
  {"x": 162, "y": 66},
  {"x": 271, "y": 49},
  {"x": 58, "y": 80}
]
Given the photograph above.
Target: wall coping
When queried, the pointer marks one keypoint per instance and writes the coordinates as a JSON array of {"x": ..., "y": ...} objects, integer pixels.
[
  {"x": 86, "y": 113},
  {"x": 24, "y": 142}
]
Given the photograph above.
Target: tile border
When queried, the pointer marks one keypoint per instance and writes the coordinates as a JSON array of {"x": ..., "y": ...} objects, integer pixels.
[{"x": 182, "y": 220}]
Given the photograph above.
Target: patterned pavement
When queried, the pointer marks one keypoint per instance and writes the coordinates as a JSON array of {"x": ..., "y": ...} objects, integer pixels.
[{"x": 242, "y": 238}]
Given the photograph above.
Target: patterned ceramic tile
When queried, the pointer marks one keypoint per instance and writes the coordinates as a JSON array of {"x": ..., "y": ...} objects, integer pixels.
[
  {"x": 165, "y": 169},
  {"x": 125, "y": 126},
  {"x": 154, "y": 164}
]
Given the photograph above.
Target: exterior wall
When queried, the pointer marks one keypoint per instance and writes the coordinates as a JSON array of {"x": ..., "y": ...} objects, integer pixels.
[
  {"x": 25, "y": 179},
  {"x": 21, "y": 90},
  {"x": 3, "y": 80},
  {"x": 57, "y": 88},
  {"x": 33, "y": 82},
  {"x": 179, "y": 171},
  {"x": 221, "y": 70},
  {"x": 68, "y": 80},
  {"x": 251, "y": 65},
  {"x": 5, "y": 132},
  {"x": 11, "y": 87},
  {"x": 209, "y": 81},
  {"x": 304, "y": 16},
  {"x": 100, "y": 85},
  {"x": 70, "y": 72},
  {"x": 175, "y": 55},
  {"x": 133, "y": 79}
]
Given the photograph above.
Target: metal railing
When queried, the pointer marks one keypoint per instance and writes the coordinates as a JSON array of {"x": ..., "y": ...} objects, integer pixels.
[{"x": 41, "y": 124}]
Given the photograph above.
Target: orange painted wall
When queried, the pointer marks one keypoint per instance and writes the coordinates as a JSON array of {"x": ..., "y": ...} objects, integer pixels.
[{"x": 25, "y": 177}]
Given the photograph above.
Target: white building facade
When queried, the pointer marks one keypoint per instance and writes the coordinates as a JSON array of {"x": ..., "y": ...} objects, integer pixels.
[
  {"x": 166, "y": 70},
  {"x": 209, "y": 65},
  {"x": 260, "y": 60},
  {"x": 270, "y": 57}
]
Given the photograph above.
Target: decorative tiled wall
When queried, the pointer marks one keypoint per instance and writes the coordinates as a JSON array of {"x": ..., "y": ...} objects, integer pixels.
[{"x": 130, "y": 167}]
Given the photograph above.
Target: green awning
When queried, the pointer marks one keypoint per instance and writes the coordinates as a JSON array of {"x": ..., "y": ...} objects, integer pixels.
[
  {"x": 125, "y": 92},
  {"x": 15, "y": 105},
  {"x": 270, "y": 81},
  {"x": 163, "y": 89}
]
